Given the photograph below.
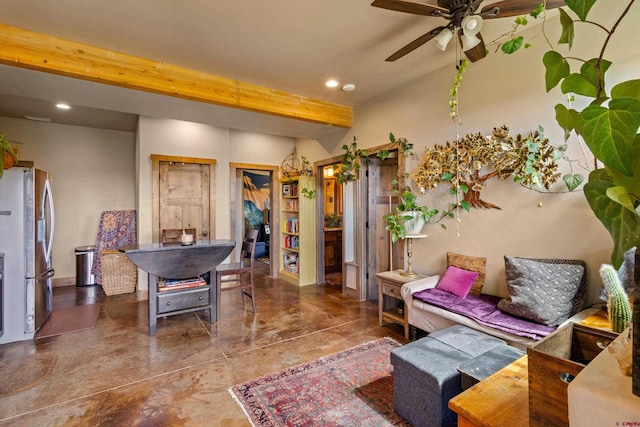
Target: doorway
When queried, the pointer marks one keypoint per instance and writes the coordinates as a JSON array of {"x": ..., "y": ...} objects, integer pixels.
[
  {"x": 380, "y": 253},
  {"x": 332, "y": 226},
  {"x": 329, "y": 232},
  {"x": 254, "y": 204},
  {"x": 366, "y": 245}
]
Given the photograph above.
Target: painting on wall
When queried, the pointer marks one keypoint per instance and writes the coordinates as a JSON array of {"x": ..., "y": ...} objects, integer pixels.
[{"x": 256, "y": 198}]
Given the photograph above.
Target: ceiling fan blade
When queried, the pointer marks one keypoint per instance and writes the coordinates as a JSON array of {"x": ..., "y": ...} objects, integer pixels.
[
  {"x": 519, "y": 7},
  {"x": 415, "y": 44},
  {"x": 478, "y": 52},
  {"x": 475, "y": 4},
  {"x": 408, "y": 7}
]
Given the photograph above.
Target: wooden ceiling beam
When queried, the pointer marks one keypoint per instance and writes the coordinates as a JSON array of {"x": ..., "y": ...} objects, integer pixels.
[{"x": 41, "y": 52}]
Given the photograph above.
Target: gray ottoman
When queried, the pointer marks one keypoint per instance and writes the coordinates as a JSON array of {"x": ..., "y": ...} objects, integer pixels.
[{"x": 425, "y": 374}]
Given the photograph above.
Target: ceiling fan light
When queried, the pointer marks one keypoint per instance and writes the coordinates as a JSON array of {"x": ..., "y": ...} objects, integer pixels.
[
  {"x": 442, "y": 39},
  {"x": 471, "y": 24},
  {"x": 469, "y": 42}
]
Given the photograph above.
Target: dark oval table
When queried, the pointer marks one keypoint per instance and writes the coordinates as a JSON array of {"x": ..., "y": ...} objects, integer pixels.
[{"x": 177, "y": 261}]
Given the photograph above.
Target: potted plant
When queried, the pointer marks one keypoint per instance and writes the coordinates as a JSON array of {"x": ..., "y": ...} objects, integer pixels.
[
  {"x": 613, "y": 192},
  {"x": 609, "y": 125},
  {"x": 332, "y": 220},
  {"x": 9, "y": 154},
  {"x": 408, "y": 217}
]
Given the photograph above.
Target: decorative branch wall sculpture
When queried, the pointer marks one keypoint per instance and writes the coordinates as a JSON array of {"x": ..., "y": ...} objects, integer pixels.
[{"x": 468, "y": 163}]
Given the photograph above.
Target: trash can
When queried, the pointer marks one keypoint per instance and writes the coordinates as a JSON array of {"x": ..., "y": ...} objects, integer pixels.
[{"x": 84, "y": 263}]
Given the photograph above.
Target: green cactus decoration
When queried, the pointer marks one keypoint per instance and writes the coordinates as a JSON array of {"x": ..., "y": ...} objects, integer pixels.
[{"x": 618, "y": 305}]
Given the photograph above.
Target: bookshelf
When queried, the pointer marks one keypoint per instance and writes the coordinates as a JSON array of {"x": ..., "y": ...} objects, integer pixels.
[{"x": 298, "y": 231}]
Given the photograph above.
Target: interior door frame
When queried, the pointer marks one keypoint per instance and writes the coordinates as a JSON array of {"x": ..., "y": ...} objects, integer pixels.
[
  {"x": 319, "y": 174},
  {"x": 155, "y": 198},
  {"x": 236, "y": 209},
  {"x": 367, "y": 229}
]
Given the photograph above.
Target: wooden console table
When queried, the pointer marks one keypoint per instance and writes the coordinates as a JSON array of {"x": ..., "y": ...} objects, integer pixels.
[
  {"x": 500, "y": 400},
  {"x": 503, "y": 398},
  {"x": 176, "y": 261}
]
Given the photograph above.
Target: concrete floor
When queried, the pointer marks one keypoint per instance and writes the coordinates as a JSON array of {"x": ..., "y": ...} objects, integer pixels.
[{"x": 117, "y": 375}]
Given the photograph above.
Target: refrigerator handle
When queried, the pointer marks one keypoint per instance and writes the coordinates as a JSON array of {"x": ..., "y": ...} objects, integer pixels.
[
  {"x": 48, "y": 197},
  {"x": 45, "y": 274}
]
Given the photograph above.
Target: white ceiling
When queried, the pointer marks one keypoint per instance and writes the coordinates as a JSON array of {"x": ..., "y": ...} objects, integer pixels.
[{"x": 289, "y": 45}]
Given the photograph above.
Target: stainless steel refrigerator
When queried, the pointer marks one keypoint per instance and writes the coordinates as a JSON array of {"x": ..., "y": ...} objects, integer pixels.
[{"x": 26, "y": 239}]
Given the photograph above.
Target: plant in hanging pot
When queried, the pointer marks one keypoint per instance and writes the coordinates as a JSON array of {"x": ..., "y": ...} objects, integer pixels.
[{"x": 9, "y": 154}]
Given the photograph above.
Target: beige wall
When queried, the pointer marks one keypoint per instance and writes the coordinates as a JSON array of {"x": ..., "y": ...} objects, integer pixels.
[
  {"x": 92, "y": 170},
  {"x": 180, "y": 138},
  {"x": 498, "y": 90},
  {"x": 96, "y": 169}
]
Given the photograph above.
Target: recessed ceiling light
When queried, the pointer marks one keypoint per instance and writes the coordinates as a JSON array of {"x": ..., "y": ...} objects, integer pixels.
[
  {"x": 349, "y": 87},
  {"x": 63, "y": 106},
  {"x": 332, "y": 83}
]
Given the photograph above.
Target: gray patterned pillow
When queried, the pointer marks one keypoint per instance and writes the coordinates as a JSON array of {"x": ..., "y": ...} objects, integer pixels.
[{"x": 546, "y": 291}]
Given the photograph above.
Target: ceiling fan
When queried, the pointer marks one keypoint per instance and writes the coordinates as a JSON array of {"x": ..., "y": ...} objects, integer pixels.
[{"x": 463, "y": 15}]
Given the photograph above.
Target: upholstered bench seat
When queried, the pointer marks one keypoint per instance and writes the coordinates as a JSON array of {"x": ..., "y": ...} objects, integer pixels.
[{"x": 426, "y": 375}]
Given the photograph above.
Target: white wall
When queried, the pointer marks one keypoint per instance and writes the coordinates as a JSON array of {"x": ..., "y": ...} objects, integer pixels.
[
  {"x": 92, "y": 170},
  {"x": 499, "y": 89}
]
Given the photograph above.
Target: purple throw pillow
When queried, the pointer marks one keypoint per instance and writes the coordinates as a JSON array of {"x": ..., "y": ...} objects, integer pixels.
[{"x": 457, "y": 281}]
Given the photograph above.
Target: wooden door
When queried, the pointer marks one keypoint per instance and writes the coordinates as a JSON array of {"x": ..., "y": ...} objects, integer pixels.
[
  {"x": 185, "y": 197},
  {"x": 380, "y": 253}
]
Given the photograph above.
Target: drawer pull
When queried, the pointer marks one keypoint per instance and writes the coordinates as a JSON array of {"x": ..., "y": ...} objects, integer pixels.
[
  {"x": 200, "y": 298},
  {"x": 168, "y": 303}
]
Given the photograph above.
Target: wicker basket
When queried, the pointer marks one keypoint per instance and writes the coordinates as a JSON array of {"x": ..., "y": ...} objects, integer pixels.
[{"x": 119, "y": 274}]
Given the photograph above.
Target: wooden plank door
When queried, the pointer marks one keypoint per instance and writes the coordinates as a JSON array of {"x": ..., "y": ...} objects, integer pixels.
[
  {"x": 380, "y": 174},
  {"x": 185, "y": 197}
]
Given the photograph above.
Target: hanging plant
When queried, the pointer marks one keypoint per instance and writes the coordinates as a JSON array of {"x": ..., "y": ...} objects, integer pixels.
[
  {"x": 306, "y": 167},
  {"x": 453, "y": 92},
  {"x": 350, "y": 166},
  {"x": 309, "y": 194},
  {"x": 402, "y": 144}
]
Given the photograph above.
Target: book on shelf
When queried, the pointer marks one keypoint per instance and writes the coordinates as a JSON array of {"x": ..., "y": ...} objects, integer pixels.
[
  {"x": 290, "y": 189},
  {"x": 291, "y": 242},
  {"x": 292, "y": 225},
  {"x": 292, "y": 205},
  {"x": 174, "y": 284}
]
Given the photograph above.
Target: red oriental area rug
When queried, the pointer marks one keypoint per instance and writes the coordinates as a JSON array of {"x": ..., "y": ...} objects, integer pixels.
[{"x": 351, "y": 388}]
